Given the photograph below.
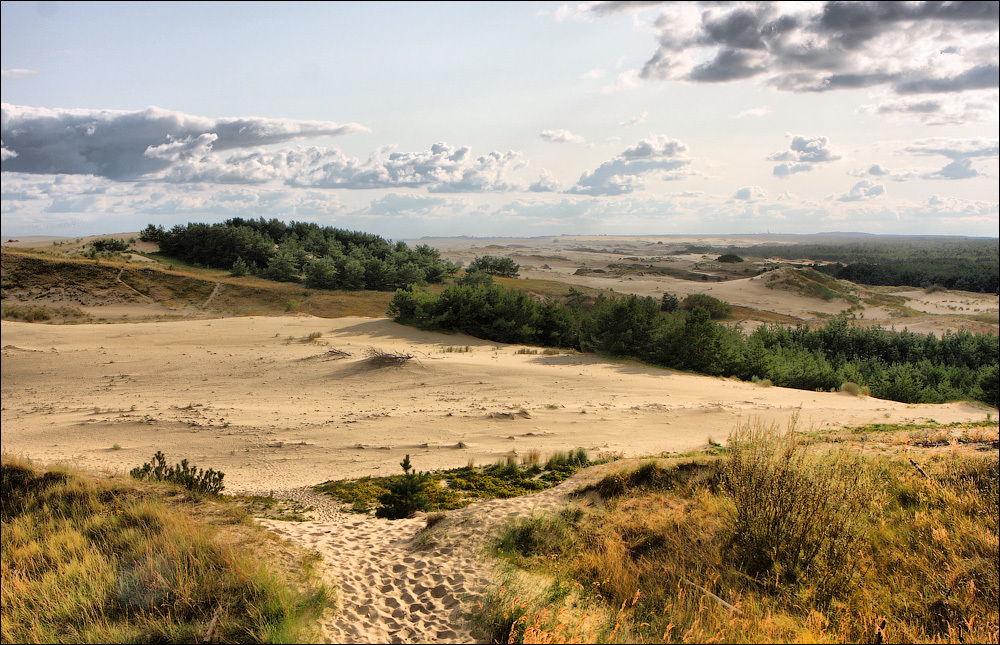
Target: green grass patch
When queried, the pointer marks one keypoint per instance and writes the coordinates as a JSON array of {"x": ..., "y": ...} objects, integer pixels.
[{"x": 459, "y": 487}]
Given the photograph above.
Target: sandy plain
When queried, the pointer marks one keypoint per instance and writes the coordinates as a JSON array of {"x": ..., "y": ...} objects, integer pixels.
[{"x": 279, "y": 411}]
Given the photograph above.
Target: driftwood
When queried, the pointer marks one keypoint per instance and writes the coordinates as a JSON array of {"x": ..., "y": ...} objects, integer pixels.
[{"x": 713, "y": 597}]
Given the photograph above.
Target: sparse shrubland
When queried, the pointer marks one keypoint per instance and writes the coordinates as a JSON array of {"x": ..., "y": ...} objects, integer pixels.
[
  {"x": 769, "y": 542},
  {"x": 42, "y": 313},
  {"x": 106, "y": 560},
  {"x": 196, "y": 480}
]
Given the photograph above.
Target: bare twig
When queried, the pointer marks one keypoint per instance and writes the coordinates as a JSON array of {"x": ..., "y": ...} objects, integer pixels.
[
  {"x": 917, "y": 466},
  {"x": 880, "y": 633},
  {"x": 381, "y": 358},
  {"x": 713, "y": 596}
]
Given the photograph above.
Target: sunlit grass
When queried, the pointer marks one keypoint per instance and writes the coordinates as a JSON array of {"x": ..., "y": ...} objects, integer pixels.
[
  {"x": 772, "y": 541},
  {"x": 87, "y": 559}
]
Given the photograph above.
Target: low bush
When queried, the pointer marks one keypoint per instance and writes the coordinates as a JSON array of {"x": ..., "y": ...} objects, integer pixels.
[
  {"x": 796, "y": 517},
  {"x": 716, "y": 308},
  {"x": 194, "y": 479}
]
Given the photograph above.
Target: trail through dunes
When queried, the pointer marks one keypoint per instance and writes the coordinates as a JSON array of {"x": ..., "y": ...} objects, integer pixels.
[{"x": 400, "y": 582}]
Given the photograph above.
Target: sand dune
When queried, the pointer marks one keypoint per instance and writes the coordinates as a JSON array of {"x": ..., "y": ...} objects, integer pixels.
[{"x": 250, "y": 397}]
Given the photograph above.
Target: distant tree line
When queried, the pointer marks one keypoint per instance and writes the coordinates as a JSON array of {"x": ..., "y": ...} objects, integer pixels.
[
  {"x": 981, "y": 275},
  {"x": 968, "y": 264},
  {"x": 321, "y": 257},
  {"x": 901, "y": 366}
]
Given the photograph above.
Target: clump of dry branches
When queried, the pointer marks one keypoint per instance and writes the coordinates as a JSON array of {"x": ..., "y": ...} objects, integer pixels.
[{"x": 380, "y": 358}]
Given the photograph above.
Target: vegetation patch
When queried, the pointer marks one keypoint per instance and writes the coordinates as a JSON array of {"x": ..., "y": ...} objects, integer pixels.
[
  {"x": 902, "y": 366},
  {"x": 458, "y": 487},
  {"x": 197, "y": 480},
  {"x": 773, "y": 541},
  {"x": 101, "y": 560}
]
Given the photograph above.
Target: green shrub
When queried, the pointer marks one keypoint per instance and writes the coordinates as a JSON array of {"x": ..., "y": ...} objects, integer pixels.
[
  {"x": 504, "y": 267},
  {"x": 716, "y": 308},
  {"x": 406, "y": 496},
  {"x": 729, "y": 258},
  {"x": 110, "y": 244},
  {"x": 194, "y": 479}
]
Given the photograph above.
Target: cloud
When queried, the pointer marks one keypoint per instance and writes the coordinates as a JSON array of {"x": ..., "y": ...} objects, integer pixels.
[
  {"x": 958, "y": 169},
  {"x": 945, "y": 109},
  {"x": 636, "y": 120},
  {"x": 546, "y": 183},
  {"x": 802, "y": 154},
  {"x": 560, "y": 136},
  {"x": 955, "y": 148},
  {"x": 863, "y": 190},
  {"x": 128, "y": 145},
  {"x": 789, "y": 169},
  {"x": 754, "y": 112},
  {"x": 395, "y": 205},
  {"x": 960, "y": 151},
  {"x": 906, "y": 47},
  {"x": 750, "y": 193},
  {"x": 442, "y": 169},
  {"x": 164, "y": 146},
  {"x": 13, "y": 74},
  {"x": 627, "y": 80},
  {"x": 655, "y": 157}
]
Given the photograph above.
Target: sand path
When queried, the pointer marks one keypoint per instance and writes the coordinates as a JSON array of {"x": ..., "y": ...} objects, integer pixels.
[{"x": 402, "y": 583}]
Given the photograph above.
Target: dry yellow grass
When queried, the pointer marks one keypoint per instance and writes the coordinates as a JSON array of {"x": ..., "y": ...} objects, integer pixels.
[
  {"x": 89, "y": 559},
  {"x": 769, "y": 543}
]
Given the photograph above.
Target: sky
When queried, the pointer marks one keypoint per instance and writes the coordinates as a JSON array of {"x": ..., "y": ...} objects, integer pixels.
[{"x": 502, "y": 119}]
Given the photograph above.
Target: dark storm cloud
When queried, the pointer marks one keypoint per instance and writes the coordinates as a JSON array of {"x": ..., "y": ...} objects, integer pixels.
[
  {"x": 910, "y": 47},
  {"x": 127, "y": 145}
]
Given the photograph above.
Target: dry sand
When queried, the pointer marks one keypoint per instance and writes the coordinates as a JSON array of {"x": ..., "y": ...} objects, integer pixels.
[
  {"x": 251, "y": 397},
  {"x": 255, "y": 398}
]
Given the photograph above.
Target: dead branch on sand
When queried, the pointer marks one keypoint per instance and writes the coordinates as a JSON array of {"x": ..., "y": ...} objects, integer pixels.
[{"x": 380, "y": 358}]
